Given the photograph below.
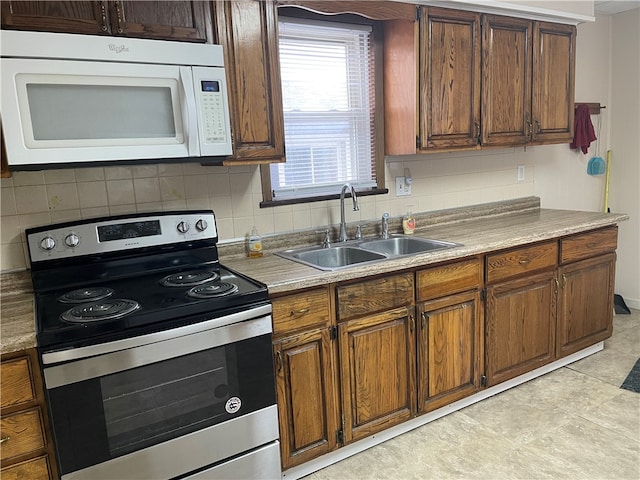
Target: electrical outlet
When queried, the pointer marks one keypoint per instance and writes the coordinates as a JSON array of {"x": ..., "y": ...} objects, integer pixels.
[
  {"x": 401, "y": 187},
  {"x": 520, "y": 173}
]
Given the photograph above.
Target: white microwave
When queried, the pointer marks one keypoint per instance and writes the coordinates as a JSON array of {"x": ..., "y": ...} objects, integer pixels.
[{"x": 75, "y": 100}]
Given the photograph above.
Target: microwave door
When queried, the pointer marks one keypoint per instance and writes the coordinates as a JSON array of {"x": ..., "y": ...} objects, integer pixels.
[{"x": 57, "y": 112}]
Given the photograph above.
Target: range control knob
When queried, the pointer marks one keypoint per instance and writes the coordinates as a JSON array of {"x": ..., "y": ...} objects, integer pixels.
[
  {"x": 201, "y": 225},
  {"x": 71, "y": 240},
  {"x": 47, "y": 243},
  {"x": 183, "y": 227}
]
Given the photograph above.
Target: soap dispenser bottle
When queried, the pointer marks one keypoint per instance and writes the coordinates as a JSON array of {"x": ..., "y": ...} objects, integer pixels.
[
  {"x": 254, "y": 245},
  {"x": 408, "y": 222}
]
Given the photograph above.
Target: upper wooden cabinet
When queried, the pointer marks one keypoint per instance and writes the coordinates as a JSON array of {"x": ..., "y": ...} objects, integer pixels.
[
  {"x": 449, "y": 68},
  {"x": 456, "y": 80},
  {"x": 528, "y": 76},
  {"x": 169, "y": 20},
  {"x": 248, "y": 33}
]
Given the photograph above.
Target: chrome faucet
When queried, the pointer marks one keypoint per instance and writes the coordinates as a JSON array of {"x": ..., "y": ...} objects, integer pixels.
[
  {"x": 385, "y": 226},
  {"x": 343, "y": 226}
]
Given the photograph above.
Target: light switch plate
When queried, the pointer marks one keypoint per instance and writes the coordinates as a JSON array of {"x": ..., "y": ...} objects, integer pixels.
[{"x": 402, "y": 188}]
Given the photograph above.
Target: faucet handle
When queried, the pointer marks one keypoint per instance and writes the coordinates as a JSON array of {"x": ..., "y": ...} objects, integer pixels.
[
  {"x": 326, "y": 242},
  {"x": 358, "y": 232}
]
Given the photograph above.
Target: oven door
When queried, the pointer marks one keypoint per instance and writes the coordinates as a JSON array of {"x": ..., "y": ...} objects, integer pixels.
[{"x": 164, "y": 407}]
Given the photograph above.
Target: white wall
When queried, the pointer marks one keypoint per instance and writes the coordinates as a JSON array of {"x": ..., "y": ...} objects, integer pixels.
[{"x": 625, "y": 144}]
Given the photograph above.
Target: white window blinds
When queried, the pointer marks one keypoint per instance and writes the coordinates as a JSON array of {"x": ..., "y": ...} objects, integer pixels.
[{"x": 328, "y": 95}]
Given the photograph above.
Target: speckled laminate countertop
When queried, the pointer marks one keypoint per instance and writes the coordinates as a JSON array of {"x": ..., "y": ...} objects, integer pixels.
[
  {"x": 478, "y": 235},
  {"x": 479, "y": 230}
]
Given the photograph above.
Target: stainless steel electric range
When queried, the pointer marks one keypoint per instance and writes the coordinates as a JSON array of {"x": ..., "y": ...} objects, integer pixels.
[{"x": 156, "y": 359}]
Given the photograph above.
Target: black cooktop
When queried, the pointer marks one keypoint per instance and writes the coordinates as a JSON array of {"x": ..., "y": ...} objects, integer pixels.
[{"x": 160, "y": 307}]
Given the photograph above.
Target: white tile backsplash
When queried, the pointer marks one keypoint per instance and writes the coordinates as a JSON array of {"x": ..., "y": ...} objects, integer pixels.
[{"x": 234, "y": 194}]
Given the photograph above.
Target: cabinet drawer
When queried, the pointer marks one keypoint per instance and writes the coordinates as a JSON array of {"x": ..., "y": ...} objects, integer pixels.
[
  {"x": 503, "y": 265},
  {"x": 448, "y": 279},
  {"x": 35, "y": 469},
  {"x": 301, "y": 310},
  {"x": 16, "y": 382},
  {"x": 22, "y": 432},
  {"x": 588, "y": 244},
  {"x": 374, "y": 296}
]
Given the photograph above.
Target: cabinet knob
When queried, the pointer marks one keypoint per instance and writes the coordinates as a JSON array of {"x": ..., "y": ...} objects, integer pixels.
[
  {"x": 300, "y": 311},
  {"x": 524, "y": 261},
  {"x": 4, "y": 439}
]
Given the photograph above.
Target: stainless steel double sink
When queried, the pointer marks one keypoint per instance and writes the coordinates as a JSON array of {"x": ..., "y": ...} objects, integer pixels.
[{"x": 358, "y": 252}]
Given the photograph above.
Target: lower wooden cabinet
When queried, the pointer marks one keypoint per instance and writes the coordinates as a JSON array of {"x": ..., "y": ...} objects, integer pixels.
[
  {"x": 360, "y": 356},
  {"x": 377, "y": 371},
  {"x": 449, "y": 346},
  {"x": 306, "y": 391},
  {"x": 304, "y": 349},
  {"x": 585, "y": 295},
  {"x": 26, "y": 450},
  {"x": 585, "y": 303},
  {"x": 520, "y": 326}
]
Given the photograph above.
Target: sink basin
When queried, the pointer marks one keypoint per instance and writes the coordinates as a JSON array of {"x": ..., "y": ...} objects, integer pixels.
[
  {"x": 405, "y": 245},
  {"x": 357, "y": 252},
  {"x": 332, "y": 258}
]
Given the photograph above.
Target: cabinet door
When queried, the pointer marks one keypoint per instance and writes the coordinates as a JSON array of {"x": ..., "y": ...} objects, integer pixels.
[
  {"x": 449, "y": 105},
  {"x": 377, "y": 368},
  {"x": 449, "y": 345},
  {"x": 169, "y": 20},
  {"x": 87, "y": 17},
  {"x": 520, "y": 326},
  {"x": 506, "y": 80},
  {"x": 247, "y": 31},
  {"x": 585, "y": 303},
  {"x": 306, "y": 391},
  {"x": 553, "y": 82}
]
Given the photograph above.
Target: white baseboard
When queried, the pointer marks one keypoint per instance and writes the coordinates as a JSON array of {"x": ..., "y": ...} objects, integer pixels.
[{"x": 361, "y": 445}]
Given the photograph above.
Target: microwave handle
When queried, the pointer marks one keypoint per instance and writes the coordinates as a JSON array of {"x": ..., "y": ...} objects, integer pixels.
[{"x": 189, "y": 110}]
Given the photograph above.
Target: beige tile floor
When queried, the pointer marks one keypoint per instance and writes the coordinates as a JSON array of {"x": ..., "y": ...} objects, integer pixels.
[{"x": 573, "y": 423}]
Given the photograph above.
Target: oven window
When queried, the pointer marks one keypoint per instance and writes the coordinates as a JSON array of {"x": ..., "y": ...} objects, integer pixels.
[
  {"x": 150, "y": 404},
  {"x": 107, "y": 417}
]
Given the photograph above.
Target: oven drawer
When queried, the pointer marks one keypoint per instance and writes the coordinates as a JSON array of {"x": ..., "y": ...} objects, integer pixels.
[
  {"x": 260, "y": 464},
  {"x": 22, "y": 432}
]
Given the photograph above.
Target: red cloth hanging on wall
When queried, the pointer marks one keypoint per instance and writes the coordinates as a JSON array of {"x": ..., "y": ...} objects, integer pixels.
[{"x": 583, "y": 133}]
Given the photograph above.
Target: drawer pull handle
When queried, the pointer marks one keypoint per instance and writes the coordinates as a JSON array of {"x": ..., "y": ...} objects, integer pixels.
[
  {"x": 4, "y": 439},
  {"x": 592, "y": 245},
  {"x": 524, "y": 261},
  {"x": 300, "y": 311}
]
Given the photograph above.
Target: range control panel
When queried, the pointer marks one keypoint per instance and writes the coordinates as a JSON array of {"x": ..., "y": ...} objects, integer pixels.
[{"x": 119, "y": 234}]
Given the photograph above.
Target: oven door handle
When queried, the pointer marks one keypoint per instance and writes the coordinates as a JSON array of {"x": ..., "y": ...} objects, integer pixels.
[{"x": 176, "y": 345}]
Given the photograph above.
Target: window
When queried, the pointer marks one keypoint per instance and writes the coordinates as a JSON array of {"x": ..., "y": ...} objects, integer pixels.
[{"x": 328, "y": 90}]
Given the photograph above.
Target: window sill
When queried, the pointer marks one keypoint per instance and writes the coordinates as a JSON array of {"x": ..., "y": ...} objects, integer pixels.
[{"x": 292, "y": 201}]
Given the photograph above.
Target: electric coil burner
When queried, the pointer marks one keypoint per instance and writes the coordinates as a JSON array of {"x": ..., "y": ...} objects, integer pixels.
[
  {"x": 108, "y": 309},
  {"x": 187, "y": 279},
  {"x": 150, "y": 349},
  {"x": 86, "y": 295}
]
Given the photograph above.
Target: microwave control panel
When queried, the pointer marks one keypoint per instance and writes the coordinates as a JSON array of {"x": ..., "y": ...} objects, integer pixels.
[
  {"x": 213, "y": 118},
  {"x": 213, "y": 107}
]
